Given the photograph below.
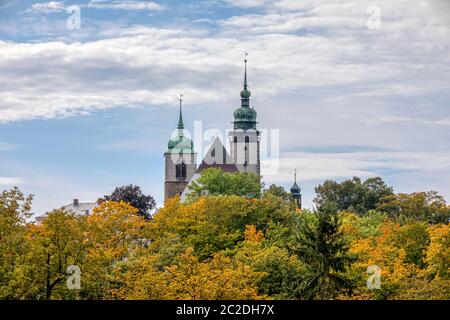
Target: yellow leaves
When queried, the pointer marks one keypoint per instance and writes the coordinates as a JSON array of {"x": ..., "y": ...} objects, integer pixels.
[
  {"x": 253, "y": 235},
  {"x": 381, "y": 252},
  {"x": 392, "y": 250},
  {"x": 217, "y": 278},
  {"x": 438, "y": 253}
]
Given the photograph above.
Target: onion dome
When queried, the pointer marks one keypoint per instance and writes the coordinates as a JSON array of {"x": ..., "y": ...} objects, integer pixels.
[{"x": 295, "y": 189}]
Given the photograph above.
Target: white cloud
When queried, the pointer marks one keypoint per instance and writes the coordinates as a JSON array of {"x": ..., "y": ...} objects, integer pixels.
[
  {"x": 47, "y": 7},
  {"x": 321, "y": 166},
  {"x": 314, "y": 44},
  {"x": 126, "y": 5},
  {"x": 10, "y": 181},
  {"x": 246, "y": 3}
]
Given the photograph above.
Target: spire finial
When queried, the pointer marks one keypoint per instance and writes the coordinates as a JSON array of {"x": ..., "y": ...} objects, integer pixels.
[
  {"x": 180, "y": 119},
  {"x": 295, "y": 175},
  {"x": 245, "y": 76},
  {"x": 245, "y": 94}
]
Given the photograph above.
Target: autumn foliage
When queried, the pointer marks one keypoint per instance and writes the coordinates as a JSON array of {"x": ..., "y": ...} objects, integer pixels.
[{"x": 226, "y": 247}]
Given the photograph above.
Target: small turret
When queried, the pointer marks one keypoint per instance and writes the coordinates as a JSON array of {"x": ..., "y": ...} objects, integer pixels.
[{"x": 296, "y": 192}]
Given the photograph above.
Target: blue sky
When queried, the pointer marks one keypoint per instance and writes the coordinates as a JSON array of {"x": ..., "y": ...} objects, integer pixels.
[{"x": 85, "y": 110}]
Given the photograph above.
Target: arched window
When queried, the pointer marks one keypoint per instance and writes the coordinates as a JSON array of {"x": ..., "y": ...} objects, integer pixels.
[{"x": 180, "y": 171}]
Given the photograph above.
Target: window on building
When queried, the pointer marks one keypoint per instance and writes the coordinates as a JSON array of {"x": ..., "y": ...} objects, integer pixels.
[
  {"x": 180, "y": 171},
  {"x": 247, "y": 140}
]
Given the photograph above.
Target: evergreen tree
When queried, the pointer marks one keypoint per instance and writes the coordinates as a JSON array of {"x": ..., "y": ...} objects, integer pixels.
[{"x": 321, "y": 246}]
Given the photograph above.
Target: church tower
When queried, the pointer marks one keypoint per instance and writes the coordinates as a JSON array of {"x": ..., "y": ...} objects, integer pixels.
[
  {"x": 245, "y": 138},
  {"x": 180, "y": 161},
  {"x": 296, "y": 192}
]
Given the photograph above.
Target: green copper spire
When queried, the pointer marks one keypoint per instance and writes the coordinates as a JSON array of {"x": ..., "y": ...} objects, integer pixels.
[
  {"x": 180, "y": 143},
  {"x": 180, "y": 118},
  {"x": 245, "y": 117}
]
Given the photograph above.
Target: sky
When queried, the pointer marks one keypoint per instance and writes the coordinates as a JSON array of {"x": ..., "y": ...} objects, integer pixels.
[{"x": 353, "y": 88}]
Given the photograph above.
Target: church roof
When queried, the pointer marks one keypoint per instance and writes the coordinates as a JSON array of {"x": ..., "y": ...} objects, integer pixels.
[{"x": 217, "y": 157}]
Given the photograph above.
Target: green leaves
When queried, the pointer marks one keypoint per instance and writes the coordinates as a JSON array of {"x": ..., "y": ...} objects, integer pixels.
[
  {"x": 353, "y": 195},
  {"x": 214, "y": 181}
]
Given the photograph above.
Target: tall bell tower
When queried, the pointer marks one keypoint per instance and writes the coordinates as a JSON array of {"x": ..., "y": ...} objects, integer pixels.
[
  {"x": 180, "y": 161},
  {"x": 245, "y": 137}
]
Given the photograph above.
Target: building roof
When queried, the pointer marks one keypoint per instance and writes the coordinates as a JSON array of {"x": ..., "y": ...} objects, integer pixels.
[
  {"x": 80, "y": 208},
  {"x": 216, "y": 157},
  {"x": 77, "y": 207}
]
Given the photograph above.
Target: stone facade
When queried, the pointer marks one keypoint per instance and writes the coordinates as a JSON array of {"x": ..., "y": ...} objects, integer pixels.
[
  {"x": 245, "y": 150},
  {"x": 173, "y": 185}
]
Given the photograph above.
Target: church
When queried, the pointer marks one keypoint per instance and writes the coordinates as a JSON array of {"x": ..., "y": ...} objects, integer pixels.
[{"x": 181, "y": 167}]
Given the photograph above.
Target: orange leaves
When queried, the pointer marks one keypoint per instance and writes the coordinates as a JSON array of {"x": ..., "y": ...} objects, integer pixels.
[{"x": 251, "y": 234}]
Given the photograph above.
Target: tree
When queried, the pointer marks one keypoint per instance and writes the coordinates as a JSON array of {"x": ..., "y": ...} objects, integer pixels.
[
  {"x": 321, "y": 246},
  {"x": 219, "y": 278},
  {"x": 424, "y": 206},
  {"x": 214, "y": 181},
  {"x": 353, "y": 195},
  {"x": 51, "y": 248},
  {"x": 114, "y": 234},
  {"x": 14, "y": 210},
  {"x": 282, "y": 270},
  {"x": 437, "y": 255},
  {"x": 278, "y": 191},
  {"x": 133, "y": 196}
]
